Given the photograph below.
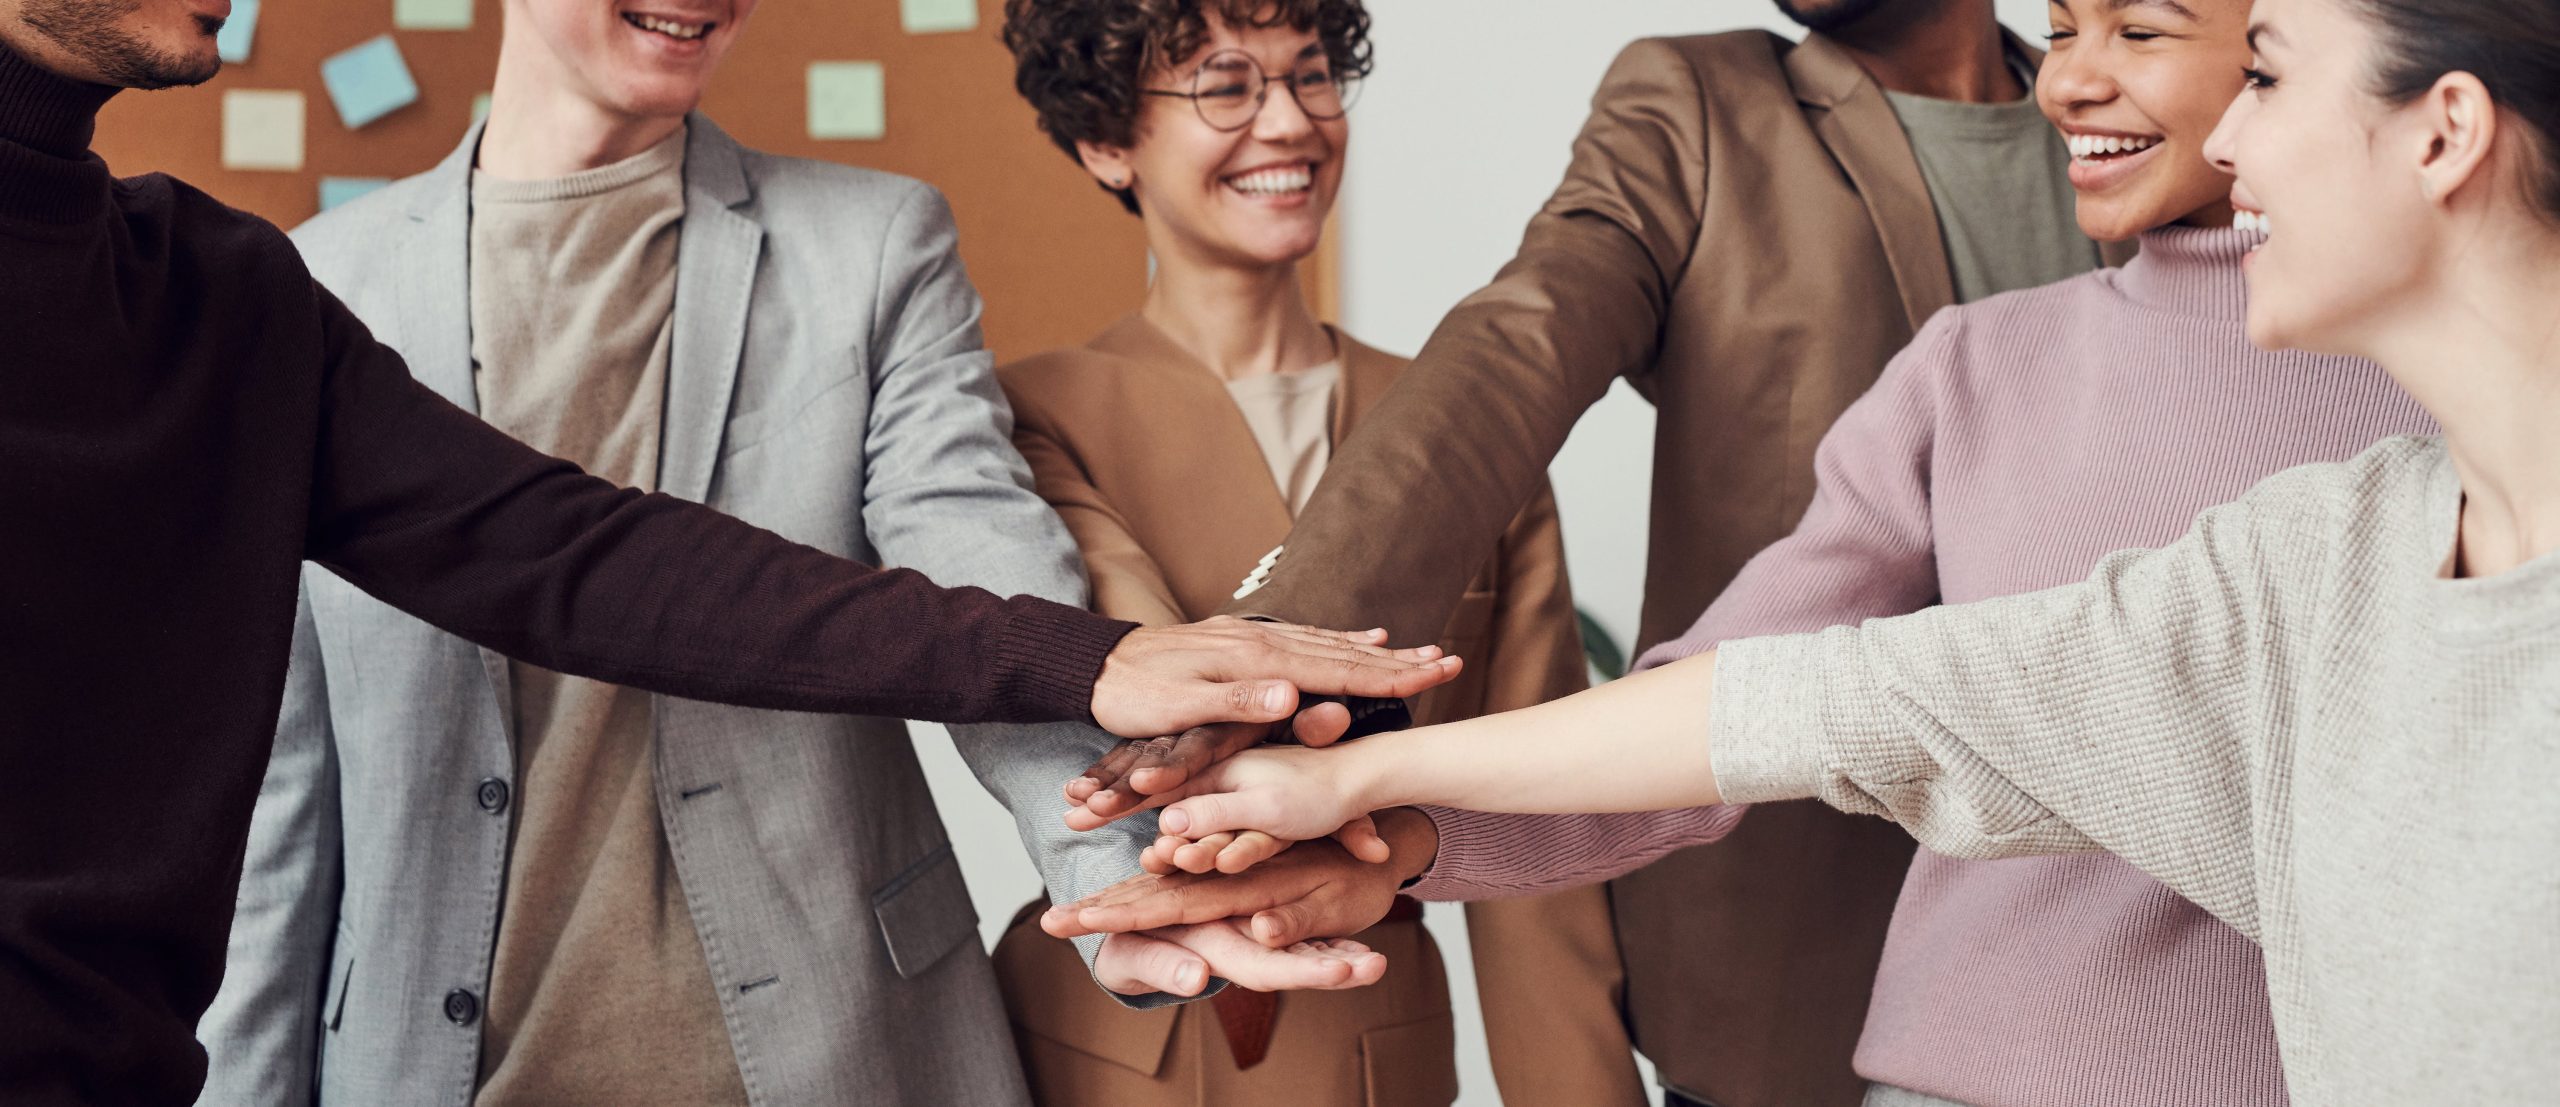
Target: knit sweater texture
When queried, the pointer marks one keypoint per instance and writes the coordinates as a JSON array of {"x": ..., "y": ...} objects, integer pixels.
[
  {"x": 2016, "y": 442},
  {"x": 184, "y": 418},
  {"x": 2292, "y": 717}
]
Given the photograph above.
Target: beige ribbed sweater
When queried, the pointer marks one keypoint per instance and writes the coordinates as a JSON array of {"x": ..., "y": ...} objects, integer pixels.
[{"x": 2289, "y": 716}]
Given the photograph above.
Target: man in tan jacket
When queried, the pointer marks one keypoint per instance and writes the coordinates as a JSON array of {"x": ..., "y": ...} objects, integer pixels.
[{"x": 1749, "y": 229}]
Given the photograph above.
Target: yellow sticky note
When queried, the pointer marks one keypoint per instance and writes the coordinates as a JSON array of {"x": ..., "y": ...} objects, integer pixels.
[
  {"x": 848, "y": 100},
  {"x": 431, "y": 15},
  {"x": 262, "y": 129},
  {"x": 924, "y": 17}
]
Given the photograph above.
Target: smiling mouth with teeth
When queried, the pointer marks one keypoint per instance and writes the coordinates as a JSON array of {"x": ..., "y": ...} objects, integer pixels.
[
  {"x": 2107, "y": 147},
  {"x": 1274, "y": 182},
  {"x": 685, "y": 32},
  {"x": 2246, "y": 220}
]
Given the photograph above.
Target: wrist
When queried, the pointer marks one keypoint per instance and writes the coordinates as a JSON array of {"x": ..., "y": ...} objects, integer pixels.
[
  {"x": 1370, "y": 782},
  {"x": 1413, "y": 842}
]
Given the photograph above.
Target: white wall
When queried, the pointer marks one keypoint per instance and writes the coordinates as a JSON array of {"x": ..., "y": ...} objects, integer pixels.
[{"x": 1460, "y": 135}]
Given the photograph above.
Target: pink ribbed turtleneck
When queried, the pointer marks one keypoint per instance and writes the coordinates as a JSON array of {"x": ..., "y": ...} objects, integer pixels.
[{"x": 2017, "y": 441}]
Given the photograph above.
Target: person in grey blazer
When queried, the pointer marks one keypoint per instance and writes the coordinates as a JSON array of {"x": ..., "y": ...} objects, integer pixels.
[{"x": 441, "y": 907}]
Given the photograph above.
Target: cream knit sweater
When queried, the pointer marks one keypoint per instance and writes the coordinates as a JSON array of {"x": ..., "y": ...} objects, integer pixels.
[{"x": 2289, "y": 716}]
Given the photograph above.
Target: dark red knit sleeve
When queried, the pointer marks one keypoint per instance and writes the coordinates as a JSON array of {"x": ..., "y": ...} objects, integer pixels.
[{"x": 431, "y": 510}]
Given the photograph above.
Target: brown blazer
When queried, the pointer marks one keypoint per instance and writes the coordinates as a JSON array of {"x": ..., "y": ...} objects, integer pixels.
[
  {"x": 1744, "y": 235},
  {"x": 1143, "y": 453}
]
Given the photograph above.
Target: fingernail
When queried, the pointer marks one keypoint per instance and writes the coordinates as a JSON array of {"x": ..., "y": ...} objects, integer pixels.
[
  {"x": 1275, "y": 698},
  {"x": 1175, "y": 821},
  {"x": 1194, "y": 978}
]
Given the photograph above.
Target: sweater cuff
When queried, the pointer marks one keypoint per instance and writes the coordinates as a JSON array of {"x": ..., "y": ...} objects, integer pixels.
[
  {"x": 1765, "y": 737},
  {"x": 1474, "y": 854},
  {"x": 1048, "y": 657}
]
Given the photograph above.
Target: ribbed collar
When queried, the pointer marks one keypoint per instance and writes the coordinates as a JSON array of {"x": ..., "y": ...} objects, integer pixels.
[
  {"x": 47, "y": 174},
  {"x": 2191, "y": 271}
]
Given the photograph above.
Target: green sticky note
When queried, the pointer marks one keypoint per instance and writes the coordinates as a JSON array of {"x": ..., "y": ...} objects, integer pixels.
[
  {"x": 480, "y": 107},
  {"x": 848, "y": 100},
  {"x": 238, "y": 32},
  {"x": 924, "y": 17},
  {"x": 262, "y": 129},
  {"x": 431, "y": 15},
  {"x": 338, "y": 190}
]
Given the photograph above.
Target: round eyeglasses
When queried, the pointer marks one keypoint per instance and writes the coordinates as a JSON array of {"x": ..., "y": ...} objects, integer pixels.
[{"x": 1229, "y": 88}]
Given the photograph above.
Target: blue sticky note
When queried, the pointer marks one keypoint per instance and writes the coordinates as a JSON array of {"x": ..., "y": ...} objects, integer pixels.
[
  {"x": 848, "y": 100},
  {"x": 237, "y": 32},
  {"x": 338, "y": 190},
  {"x": 368, "y": 81}
]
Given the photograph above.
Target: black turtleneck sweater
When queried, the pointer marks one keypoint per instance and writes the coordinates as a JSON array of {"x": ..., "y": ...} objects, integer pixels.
[{"x": 184, "y": 418}]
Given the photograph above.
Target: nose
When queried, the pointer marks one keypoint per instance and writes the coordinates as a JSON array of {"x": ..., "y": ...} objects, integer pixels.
[
  {"x": 2222, "y": 146},
  {"x": 1281, "y": 117},
  {"x": 2075, "y": 77}
]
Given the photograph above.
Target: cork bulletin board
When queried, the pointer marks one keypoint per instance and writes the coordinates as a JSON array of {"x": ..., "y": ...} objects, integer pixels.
[{"x": 1055, "y": 258}]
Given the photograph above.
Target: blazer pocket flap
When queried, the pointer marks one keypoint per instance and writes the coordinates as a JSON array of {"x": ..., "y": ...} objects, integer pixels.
[
  {"x": 1412, "y": 1064},
  {"x": 925, "y": 912},
  {"x": 341, "y": 967}
]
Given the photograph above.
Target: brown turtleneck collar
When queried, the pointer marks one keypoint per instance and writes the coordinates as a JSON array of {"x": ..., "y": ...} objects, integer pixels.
[{"x": 47, "y": 174}]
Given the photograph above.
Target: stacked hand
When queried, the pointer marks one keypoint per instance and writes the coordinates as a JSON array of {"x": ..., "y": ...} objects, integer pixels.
[
  {"x": 1220, "y": 687},
  {"x": 1179, "y": 958},
  {"x": 1169, "y": 680},
  {"x": 1284, "y": 908}
]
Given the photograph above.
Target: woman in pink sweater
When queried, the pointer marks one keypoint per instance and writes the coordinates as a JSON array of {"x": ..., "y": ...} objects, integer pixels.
[{"x": 2015, "y": 443}]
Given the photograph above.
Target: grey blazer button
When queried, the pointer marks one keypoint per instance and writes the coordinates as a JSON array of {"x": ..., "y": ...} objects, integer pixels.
[
  {"x": 493, "y": 795},
  {"x": 461, "y": 1008}
]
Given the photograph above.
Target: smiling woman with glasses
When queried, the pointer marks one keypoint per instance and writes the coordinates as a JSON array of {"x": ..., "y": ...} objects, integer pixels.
[{"x": 1178, "y": 446}]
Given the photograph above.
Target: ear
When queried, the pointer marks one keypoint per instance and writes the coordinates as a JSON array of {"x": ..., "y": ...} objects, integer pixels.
[
  {"x": 2459, "y": 124},
  {"x": 1108, "y": 164}
]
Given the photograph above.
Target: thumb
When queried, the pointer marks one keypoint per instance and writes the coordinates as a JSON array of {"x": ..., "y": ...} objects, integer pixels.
[
  {"x": 1200, "y": 816},
  {"x": 1321, "y": 725},
  {"x": 1135, "y": 964},
  {"x": 1285, "y": 925},
  {"x": 1255, "y": 701},
  {"x": 1360, "y": 839}
]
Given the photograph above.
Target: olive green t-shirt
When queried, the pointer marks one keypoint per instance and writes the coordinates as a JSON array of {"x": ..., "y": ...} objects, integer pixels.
[{"x": 1997, "y": 174}]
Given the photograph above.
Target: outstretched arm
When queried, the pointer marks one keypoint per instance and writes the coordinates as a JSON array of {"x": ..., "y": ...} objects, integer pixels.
[
  {"x": 1417, "y": 497},
  {"x": 435, "y": 512},
  {"x": 2133, "y": 712}
]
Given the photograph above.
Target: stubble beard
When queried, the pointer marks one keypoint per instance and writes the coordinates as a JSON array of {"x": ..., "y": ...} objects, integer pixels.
[
  {"x": 91, "y": 31},
  {"x": 1825, "y": 18}
]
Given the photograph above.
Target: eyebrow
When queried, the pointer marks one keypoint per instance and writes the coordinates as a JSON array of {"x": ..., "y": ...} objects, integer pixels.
[
  {"x": 2261, "y": 32},
  {"x": 2171, "y": 5}
]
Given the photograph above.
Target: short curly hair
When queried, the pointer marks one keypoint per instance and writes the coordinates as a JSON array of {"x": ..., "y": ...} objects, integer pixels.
[{"x": 1081, "y": 62}]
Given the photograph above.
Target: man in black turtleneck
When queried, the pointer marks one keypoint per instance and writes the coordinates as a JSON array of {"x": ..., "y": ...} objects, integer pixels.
[{"x": 185, "y": 417}]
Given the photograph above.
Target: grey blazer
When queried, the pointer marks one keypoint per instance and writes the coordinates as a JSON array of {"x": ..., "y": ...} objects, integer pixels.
[{"x": 828, "y": 383}]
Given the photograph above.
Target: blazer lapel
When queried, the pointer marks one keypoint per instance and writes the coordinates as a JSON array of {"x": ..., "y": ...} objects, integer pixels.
[
  {"x": 715, "y": 280},
  {"x": 435, "y": 285},
  {"x": 1199, "y": 452},
  {"x": 1857, "y": 123},
  {"x": 435, "y": 329}
]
